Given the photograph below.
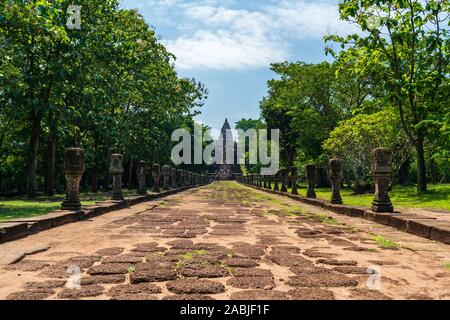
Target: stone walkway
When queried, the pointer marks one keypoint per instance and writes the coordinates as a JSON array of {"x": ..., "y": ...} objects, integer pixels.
[{"x": 224, "y": 241}]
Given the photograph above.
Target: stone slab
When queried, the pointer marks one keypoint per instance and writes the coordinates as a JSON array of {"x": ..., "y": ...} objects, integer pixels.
[
  {"x": 440, "y": 231},
  {"x": 13, "y": 230}
]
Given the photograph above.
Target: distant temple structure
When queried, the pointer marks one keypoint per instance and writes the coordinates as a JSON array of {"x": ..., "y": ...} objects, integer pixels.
[{"x": 230, "y": 166}]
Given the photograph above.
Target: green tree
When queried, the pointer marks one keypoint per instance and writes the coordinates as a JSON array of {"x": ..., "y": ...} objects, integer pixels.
[
  {"x": 406, "y": 41},
  {"x": 354, "y": 139}
]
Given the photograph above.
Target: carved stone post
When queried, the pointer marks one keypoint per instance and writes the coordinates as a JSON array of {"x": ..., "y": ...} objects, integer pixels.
[
  {"x": 166, "y": 177},
  {"x": 283, "y": 177},
  {"x": 334, "y": 172},
  {"x": 276, "y": 186},
  {"x": 381, "y": 171},
  {"x": 183, "y": 178},
  {"x": 116, "y": 170},
  {"x": 294, "y": 177},
  {"x": 269, "y": 182},
  {"x": 173, "y": 178},
  {"x": 311, "y": 177},
  {"x": 141, "y": 172},
  {"x": 73, "y": 169},
  {"x": 179, "y": 178},
  {"x": 155, "y": 176}
]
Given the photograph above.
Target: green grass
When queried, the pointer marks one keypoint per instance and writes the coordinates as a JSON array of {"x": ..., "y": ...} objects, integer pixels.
[
  {"x": 16, "y": 209},
  {"x": 437, "y": 197},
  {"x": 447, "y": 266},
  {"x": 385, "y": 243},
  {"x": 11, "y": 209},
  {"x": 192, "y": 254}
]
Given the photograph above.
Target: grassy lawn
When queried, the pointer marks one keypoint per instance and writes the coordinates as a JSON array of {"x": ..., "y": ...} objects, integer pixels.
[
  {"x": 437, "y": 197},
  {"x": 24, "y": 208}
]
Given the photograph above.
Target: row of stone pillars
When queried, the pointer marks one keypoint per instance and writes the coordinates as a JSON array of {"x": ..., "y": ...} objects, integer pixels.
[
  {"x": 381, "y": 171},
  {"x": 172, "y": 178}
]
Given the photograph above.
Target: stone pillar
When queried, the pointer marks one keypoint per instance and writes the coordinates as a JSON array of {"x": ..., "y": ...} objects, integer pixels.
[
  {"x": 155, "y": 176},
  {"x": 185, "y": 178},
  {"x": 179, "y": 178},
  {"x": 294, "y": 177},
  {"x": 73, "y": 169},
  {"x": 311, "y": 177},
  {"x": 116, "y": 170},
  {"x": 283, "y": 177},
  {"x": 141, "y": 172},
  {"x": 276, "y": 186},
  {"x": 173, "y": 178},
  {"x": 334, "y": 172},
  {"x": 166, "y": 177},
  {"x": 381, "y": 171}
]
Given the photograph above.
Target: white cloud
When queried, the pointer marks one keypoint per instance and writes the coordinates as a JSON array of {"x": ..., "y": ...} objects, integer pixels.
[
  {"x": 224, "y": 50},
  {"x": 215, "y": 35},
  {"x": 304, "y": 19}
]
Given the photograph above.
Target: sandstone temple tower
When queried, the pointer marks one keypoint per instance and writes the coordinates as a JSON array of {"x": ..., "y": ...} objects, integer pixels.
[{"x": 229, "y": 153}]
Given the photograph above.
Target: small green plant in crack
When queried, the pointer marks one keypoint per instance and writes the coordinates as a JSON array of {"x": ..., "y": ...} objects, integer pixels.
[
  {"x": 321, "y": 218},
  {"x": 384, "y": 243},
  {"x": 131, "y": 269},
  {"x": 192, "y": 254},
  {"x": 372, "y": 250},
  {"x": 179, "y": 264},
  {"x": 162, "y": 204},
  {"x": 446, "y": 266}
]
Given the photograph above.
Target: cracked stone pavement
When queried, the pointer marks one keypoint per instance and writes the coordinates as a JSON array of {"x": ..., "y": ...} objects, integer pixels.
[{"x": 224, "y": 241}]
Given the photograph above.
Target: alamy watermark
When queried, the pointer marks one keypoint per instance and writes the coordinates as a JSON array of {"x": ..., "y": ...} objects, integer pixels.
[
  {"x": 226, "y": 151},
  {"x": 374, "y": 280},
  {"x": 73, "y": 17},
  {"x": 74, "y": 279}
]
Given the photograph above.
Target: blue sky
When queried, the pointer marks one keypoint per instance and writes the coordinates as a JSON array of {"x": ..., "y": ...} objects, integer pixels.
[{"x": 229, "y": 44}]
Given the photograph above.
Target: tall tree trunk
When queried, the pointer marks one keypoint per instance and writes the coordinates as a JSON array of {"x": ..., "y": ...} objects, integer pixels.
[
  {"x": 32, "y": 155},
  {"x": 421, "y": 167},
  {"x": 50, "y": 162},
  {"x": 289, "y": 161}
]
